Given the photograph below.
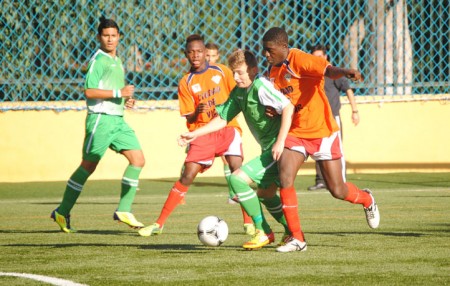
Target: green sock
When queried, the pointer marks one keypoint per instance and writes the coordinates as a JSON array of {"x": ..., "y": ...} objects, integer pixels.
[
  {"x": 130, "y": 181},
  {"x": 250, "y": 202},
  {"x": 227, "y": 173},
  {"x": 274, "y": 207},
  {"x": 73, "y": 190}
]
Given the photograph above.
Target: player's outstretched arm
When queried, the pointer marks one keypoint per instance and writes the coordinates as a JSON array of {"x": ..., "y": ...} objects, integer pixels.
[
  {"x": 336, "y": 72},
  {"x": 214, "y": 125}
]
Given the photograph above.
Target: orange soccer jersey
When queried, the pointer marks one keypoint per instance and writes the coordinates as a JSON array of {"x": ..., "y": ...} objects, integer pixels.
[
  {"x": 301, "y": 78},
  {"x": 212, "y": 86}
]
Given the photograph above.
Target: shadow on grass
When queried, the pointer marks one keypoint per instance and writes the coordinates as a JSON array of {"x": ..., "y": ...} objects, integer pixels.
[
  {"x": 56, "y": 203},
  {"x": 185, "y": 247},
  {"x": 79, "y": 232},
  {"x": 420, "y": 197},
  {"x": 425, "y": 180},
  {"x": 169, "y": 248},
  {"x": 195, "y": 183},
  {"x": 395, "y": 234}
]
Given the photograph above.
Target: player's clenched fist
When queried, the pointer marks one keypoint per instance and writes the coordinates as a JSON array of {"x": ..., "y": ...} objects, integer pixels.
[
  {"x": 354, "y": 75},
  {"x": 185, "y": 138}
]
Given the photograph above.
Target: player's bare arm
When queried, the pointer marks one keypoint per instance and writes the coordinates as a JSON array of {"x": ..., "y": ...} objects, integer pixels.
[
  {"x": 286, "y": 119},
  {"x": 337, "y": 72},
  {"x": 214, "y": 125},
  {"x": 95, "y": 93},
  {"x": 201, "y": 108}
]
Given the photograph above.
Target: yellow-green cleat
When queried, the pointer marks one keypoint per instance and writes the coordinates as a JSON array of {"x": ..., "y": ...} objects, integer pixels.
[
  {"x": 62, "y": 221},
  {"x": 258, "y": 240},
  {"x": 249, "y": 228},
  {"x": 150, "y": 230},
  {"x": 128, "y": 219}
]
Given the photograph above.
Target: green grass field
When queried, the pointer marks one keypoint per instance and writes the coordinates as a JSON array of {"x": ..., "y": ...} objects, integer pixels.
[{"x": 411, "y": 246}]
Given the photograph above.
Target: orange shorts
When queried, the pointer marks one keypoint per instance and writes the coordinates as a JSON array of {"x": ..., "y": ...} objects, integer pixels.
[
  {"x": 328, "y": 148},
  {"x": 204, "y": 149}
]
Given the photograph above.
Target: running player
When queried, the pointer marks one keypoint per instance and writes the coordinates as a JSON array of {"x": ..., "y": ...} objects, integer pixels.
[
  {"x": 251, "y": 96},
  {"x": 213, "y": 56},
  {"x": 314, "y": 132},
  {"x": 199, "y": 91},
  {"x": 106, "y": 95},
  {"x": 332, "y": 89}
]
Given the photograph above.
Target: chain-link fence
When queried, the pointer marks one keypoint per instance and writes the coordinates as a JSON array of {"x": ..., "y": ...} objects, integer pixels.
[{"x": 401, "y": 47}]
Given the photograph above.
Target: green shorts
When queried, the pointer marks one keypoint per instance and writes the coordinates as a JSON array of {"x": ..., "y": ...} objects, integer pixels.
[
  {"x": 263, "y": 170},
  {"x": 107, "y": 131}
]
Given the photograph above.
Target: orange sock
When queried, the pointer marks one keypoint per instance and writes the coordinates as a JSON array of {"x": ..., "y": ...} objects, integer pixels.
[
  {"x": 290, "y": 210},
  {"x": 357, "y": 196},
  {"x": 176, "y": 194},
  {"x": 247, "y": 218}
]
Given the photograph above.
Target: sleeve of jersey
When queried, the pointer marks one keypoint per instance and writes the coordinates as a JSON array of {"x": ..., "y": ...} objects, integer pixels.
[
  {"x": 94, "y": 74},
  {"x": 269, "y": 96},
  {"x": 185, "y": 99},
  {"x": 229, "y": 109},
  {"x": 229, "y": 78},
  {"x": 307, "y": 65}
]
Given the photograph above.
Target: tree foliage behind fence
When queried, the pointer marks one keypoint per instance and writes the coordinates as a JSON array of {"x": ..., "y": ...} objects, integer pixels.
[{"x": 401, "y": 47}]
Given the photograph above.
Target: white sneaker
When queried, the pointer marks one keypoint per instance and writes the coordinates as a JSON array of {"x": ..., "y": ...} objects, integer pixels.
[
  {"x": 292, "y": 244},
  {"x": 372, "y": 213}
]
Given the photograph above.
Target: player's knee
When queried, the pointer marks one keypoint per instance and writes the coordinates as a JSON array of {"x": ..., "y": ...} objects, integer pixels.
[
  {"x": 286, "y": 181},
  {"x": 338, "y": 191},
  {"x": 234, "y": 162},
  {"x": 187, "y": 178},
  {"x": 140, "y": 162}
]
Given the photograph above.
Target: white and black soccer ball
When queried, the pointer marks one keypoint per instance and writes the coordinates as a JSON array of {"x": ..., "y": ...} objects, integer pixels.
[{"x": 212, "y": 231}]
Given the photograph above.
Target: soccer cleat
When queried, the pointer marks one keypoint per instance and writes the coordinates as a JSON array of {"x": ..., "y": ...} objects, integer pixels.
[
  {"x": 318, "y": 186},
  {"x": 249, "y": 228},
  {"x": 292, "y": 244},
  {"x": 372, "y": 212},
  {"x": 283, "y": 240},
  {"x": 153, "y": 229},
  {"x": 127, "y": 218},
  {"x": 62, "y": 221},
  {"x": 259, "y": 239}
]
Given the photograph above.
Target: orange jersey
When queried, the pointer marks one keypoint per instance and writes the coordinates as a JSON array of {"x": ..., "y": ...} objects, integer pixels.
[
  {"x": 301, "y": 78},
  {"x": 212, "y": 86}
]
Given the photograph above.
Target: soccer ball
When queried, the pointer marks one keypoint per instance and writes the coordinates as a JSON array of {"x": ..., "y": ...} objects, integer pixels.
[{"x": 212, "y": 231}]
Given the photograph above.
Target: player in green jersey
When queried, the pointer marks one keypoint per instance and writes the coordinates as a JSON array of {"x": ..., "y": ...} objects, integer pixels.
[
  {"x": 251, "y": 96},
  {"x": 107, "y": 96}
]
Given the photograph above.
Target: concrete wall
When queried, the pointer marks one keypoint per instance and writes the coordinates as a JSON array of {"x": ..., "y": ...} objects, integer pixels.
[{"x": 46, "y": 145}]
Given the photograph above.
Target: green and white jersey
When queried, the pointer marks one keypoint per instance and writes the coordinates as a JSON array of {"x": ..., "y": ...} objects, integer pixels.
[
  {"x": 251, "y": 102},
  {"x": 105, "y": 72}
]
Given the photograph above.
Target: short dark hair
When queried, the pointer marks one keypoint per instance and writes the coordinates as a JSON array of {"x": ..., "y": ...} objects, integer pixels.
[
  {"x": 277, "y": 35},
  {"x": 319, "y": 48},
  {"x": 193, "y": 38},
  {"x": 212, "y": 46},
  {"x": 107, "y": 23}
]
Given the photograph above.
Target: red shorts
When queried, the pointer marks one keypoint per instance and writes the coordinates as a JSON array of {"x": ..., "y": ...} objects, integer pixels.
[
  {"x": 328, "y": 148},
  {"x": 204, "y": 149}
]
